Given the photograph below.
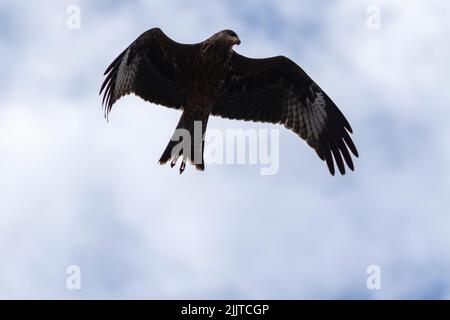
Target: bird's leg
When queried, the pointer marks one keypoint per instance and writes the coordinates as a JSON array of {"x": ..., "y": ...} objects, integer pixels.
[
  {"x": 174, "y": 161},
  {"x": 183, "y": 165}
]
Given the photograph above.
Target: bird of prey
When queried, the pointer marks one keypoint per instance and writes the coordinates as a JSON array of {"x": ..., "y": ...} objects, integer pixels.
[{"x": 210, "y": 78}]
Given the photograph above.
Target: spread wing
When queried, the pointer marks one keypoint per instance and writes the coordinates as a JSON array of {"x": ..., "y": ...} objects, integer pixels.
[
  {"x": 277, "y": 90},
  {"x": 154, "y": 67}
]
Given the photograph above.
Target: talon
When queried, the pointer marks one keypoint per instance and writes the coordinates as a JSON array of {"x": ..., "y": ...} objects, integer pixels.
[
  {"x": 174, "y": 161},
  {"x": 183, "y": 165}
]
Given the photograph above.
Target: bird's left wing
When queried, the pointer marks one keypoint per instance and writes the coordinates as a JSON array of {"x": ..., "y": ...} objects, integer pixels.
[
  {"x": 154, "y": 67},
  {"x": 277, "y": 90}
]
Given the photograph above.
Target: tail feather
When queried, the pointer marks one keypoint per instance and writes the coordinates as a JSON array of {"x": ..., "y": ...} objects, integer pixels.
[
  {"x": 194, "y": 125},
  {"x": 167, "y": 154}
]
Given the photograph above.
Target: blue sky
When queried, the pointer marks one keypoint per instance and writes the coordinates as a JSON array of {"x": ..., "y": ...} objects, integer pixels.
[{"x": 77, "y": 190}]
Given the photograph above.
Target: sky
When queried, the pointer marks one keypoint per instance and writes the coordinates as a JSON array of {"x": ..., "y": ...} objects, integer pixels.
[{"x": 76, "y": 190}]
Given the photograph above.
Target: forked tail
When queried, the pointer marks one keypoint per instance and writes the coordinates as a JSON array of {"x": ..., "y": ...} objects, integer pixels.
[{"x": 187, "y": 141}]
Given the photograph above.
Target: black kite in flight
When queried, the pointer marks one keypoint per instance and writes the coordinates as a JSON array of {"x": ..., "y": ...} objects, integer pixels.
[{"x": 211, "y": 78}]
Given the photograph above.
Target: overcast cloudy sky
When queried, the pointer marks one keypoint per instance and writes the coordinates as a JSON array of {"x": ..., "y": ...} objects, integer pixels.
[{"x": 75, "y": 190}]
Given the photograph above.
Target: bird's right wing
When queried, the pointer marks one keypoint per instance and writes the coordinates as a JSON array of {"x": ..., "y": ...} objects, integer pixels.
[
  {"x": 277, "y": 90},
  {"x": 154, "y": 67}
]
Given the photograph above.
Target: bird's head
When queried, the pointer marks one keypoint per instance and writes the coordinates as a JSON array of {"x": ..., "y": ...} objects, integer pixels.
[{"x": 228, "y": 37}]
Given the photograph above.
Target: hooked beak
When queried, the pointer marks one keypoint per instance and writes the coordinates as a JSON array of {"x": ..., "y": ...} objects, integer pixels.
[{"x": 238, "y": 42}]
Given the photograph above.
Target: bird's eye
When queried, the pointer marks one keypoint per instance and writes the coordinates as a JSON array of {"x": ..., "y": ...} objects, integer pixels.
[{"x": 232, "y": 33}]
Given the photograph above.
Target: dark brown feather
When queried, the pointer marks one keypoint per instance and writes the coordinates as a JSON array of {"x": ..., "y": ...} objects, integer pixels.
[
  {"x": 276, "y": 90},
  {"x": 154, "y": 67}
]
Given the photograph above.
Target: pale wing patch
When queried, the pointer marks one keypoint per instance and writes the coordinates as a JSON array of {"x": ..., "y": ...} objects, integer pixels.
[
  {"x": 308, "y": 119},
  {"x": 125, "y": 75},
  {"x": 315, "y": 114}
]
